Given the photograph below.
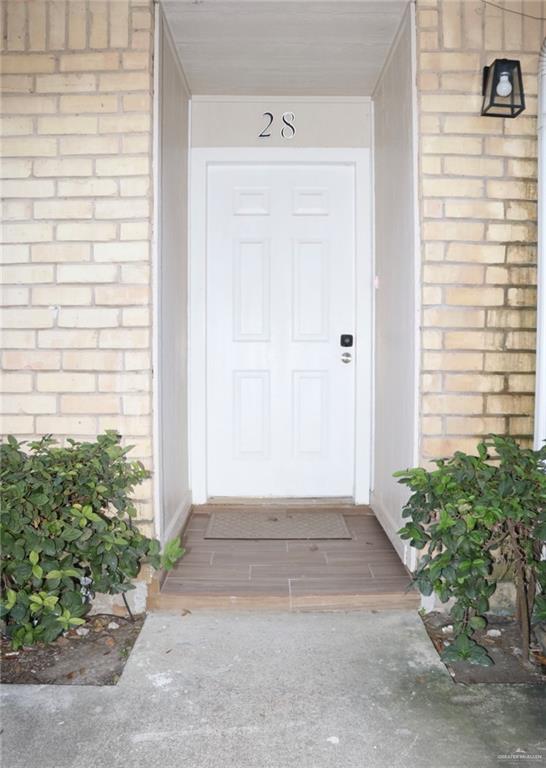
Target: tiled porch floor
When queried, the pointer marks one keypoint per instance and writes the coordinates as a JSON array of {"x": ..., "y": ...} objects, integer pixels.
[{"x": 362, "y": 572}]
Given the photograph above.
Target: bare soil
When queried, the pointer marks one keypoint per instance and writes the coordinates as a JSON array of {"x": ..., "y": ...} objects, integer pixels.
[
  {"x": 501, "y": 639},
  {"x": 95, "y": 657}
]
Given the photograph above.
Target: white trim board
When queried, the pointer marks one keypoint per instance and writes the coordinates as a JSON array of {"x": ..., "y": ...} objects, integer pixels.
[{"x": 200, "y": 160}]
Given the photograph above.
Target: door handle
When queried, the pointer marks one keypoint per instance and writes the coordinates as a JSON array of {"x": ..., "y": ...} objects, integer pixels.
[{"x": 346, "y": 357}]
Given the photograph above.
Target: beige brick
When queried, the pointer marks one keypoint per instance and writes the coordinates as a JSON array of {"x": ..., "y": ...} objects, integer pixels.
[
  {"x": 450, "y": 62},
  {"x": 68, "y": 339},
  {"x": 27, "y": 232},
  {"x": 442, "y": 447},
  {"x": 450, "y": 230},
  {"x": 66, "y": 83},
  {"x": 123, "y": 166},
  {"x": 88, "y": 317},
  {"x": 431, "y": 382},
  {"x": 136, "y": 316},
  {"x": 134, "y": 230},
  {"x": 138, "y": 361},
  {"x": 27, "y": 273},
  {"x": 17, "y": 339},
  {"x": 88, "y": 103},
  {"x": 31, "y": 360},
  {"x": 95, "y": 360},
  {"x": 497, "y": 275},
  {"x": 126, "y": 425},
  {"x": 13, "y": 296},
  {"x": 124, "y": 81},
  {"x": 87, "y": 231},
  {"x": 15, "y": 33},
  {"x": 475, "y": 425},
  {"x": 135, "y": 186},
  {"x": 511, "y": 362},
  {"x": 59, "y": 252},
  {"x": 57, "y": 24},
  {"x": 476, "y": 252},
  {"x": 26, "y": 146},
  {"x": 119, "y": 295},
  {"x": 452, "y": 273},
  {"x": 135, "y": 273},
  {"x": 511, "y": 318},
  {"x": 98, "y": 28},
  {"x": 521, "y": 425},
  {"x": 119, "y": 24},
  {"x": 93, "y": 145},
  {"x": 430, "y": 339},
  {"x": 141, "y": 41},
  {"x": 67, "y": 124},
  {"x": 87, "y": 273},
  {"x": 26, "y": 317},
  {"x": 445, "y": 187},
  {"x": 14, "y": 254},
  {"x": 37, "y": 26},
  {"x": 16, "y": 84},
  {"x": 135, "y": 143},
  {"x": 61, "y": 381},
  {"x": 124, "y": 338},
  {"x": 15, "y": 382},
  {"x": 510, "y": 147},
  {"x": 135, "y": 60},
  {"x": 447, "y": 317},
  {"x": 66, "y": 425},
  {"x": 453, "y": 361},
  {"x": 521, "y": 382},
  {"x": 122, "y": 209},
  {"x": 451, "y": 145},
  {"x": 15, "y": 210},
  {"x": 62, "y": 295},
  {"x": 29, "y": 63},
  {"x": 510, "y": 232},
  {"x": 136, "y": 405},
  {"x": 87, "y": 188},
  {"x": 29, "y": 404},
  {"x": 431, "y": 164},
  {"x": 431, "y": 295},
  {"x": 475, "y": 209},
  {"x": 521, "y": 340},
  {"x": 521, "y": 211},
  {"x": 15, "y": 168},
  {"x": 452, "y": 404},
  {"x": 473, "y": 340},
  {"x": 15, "y": 126},
  {"x": 63, "y": 209},
  {"x": 77, "y": 26},
  {"x": 473, "y": 166},
  {"x": 63, "y": 166},
  {"x": 97, "y": 404},
  {"x": 517, "y": 404},
  {"x": 473, "y": 124},
  {"x": 132, "y": 123},
  {"x": 27, "y": 188},
  {"x": 473, "y": 382},
  {"x": 89, "y": 62},
  {"x": 482, "y": 296},
  {"x": 524, "y": 169},
  {"x": 514, "y": 190},
  {"x": 16, "y": 425},
  {"x": 446, "y": 102},
  {"x": 521, "y": 297}
]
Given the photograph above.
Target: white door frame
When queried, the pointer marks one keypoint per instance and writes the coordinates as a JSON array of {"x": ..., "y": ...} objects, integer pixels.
[{"x": 200, "y": 160}]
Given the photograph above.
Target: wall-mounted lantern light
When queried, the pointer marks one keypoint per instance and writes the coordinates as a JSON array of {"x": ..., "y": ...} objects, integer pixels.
[{"x": 503, "y": 89}]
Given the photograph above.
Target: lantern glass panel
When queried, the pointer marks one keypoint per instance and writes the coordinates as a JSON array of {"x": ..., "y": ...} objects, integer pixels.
[{"x": 503, "y": 94}]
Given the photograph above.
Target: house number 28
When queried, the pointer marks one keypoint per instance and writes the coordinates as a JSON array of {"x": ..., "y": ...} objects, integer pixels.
[{"x": 288, "y": 130}]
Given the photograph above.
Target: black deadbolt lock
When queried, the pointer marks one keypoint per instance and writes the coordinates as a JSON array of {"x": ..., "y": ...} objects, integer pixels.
[{"x": 346, "y": 340}]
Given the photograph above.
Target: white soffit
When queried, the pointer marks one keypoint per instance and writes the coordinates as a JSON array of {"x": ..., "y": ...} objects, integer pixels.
[{"x": 283, "y": 47}]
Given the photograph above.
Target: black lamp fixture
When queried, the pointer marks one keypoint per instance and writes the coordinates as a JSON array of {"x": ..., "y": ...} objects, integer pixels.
[{"x": 502, "y": 90}]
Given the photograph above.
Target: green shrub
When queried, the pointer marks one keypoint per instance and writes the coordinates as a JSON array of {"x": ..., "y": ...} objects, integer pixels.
[
  {"x": 470, "y": 514},
  {"x": 66, "y": 532}
]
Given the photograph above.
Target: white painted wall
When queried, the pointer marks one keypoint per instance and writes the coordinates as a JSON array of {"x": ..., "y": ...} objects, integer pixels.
[
  {"x": 395, "y": 417},
  {"x": 171, "y": 293},
  {"x": 319, "y": 122}
]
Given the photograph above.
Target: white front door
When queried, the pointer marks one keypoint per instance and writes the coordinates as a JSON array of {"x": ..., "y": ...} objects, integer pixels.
[{"x": 280, "y": 290}]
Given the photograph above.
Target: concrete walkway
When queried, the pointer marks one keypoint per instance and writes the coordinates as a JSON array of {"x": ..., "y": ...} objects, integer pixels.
[{"x": 308, "y": 690}]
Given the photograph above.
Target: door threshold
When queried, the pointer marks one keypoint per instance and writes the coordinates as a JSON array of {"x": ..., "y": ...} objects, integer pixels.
[{"x": 276, "y": 501}]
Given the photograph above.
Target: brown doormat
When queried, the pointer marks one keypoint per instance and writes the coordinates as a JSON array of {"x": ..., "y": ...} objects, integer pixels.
[{"x": 277, "y": 524}]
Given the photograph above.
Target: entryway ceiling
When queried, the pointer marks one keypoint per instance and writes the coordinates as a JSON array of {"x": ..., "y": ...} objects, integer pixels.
[{"x": 283, "y": 48}]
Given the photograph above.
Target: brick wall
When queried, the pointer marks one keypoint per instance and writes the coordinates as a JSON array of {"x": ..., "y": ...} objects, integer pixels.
[
  {"x": 478, "y": 219},
  {"x": 76, "y": 183}
]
